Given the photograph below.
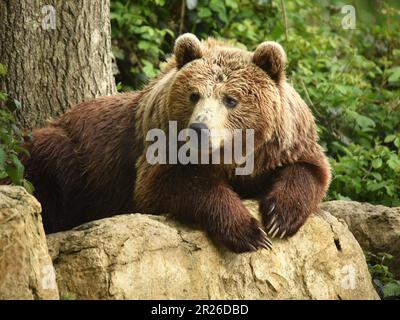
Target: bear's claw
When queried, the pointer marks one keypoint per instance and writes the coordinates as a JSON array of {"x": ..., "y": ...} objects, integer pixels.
[
  {"x": 251, "y": 237},
  {"x": 271, "y": 209},
  {"x": 266, "y": 244},
  {"x": 277, "y": 220}
]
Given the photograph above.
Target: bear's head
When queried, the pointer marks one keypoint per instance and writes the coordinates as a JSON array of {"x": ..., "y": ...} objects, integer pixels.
[{"x": 219, "y": 87}]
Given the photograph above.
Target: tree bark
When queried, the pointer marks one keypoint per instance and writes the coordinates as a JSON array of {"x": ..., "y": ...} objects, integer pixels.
[{"x": 57, "y": 53}]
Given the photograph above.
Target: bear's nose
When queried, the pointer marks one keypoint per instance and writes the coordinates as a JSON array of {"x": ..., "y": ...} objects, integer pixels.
[{"x": 197, "y": 126}]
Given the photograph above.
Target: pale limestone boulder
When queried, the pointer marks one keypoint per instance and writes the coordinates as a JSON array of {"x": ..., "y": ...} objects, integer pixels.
[
  {"x": 376, "y": 228},
  {"x": 153, "y": 257},
  {"x": 26, "y": 269}
]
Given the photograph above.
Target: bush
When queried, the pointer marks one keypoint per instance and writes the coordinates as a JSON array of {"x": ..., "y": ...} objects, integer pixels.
[
  {"x": 387, "y": 286},
  {"x": 372, "y": 174},
  {"x": 349, "y": 78},
  {"x": 11, "y": 141}
]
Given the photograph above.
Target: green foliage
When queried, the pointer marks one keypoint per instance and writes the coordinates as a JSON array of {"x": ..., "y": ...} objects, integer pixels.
[
  {"x": 143, "y": 33},
  {"x": 383, "y": 279},
  {"x": 11, "y": 141},
  {"x": 139, "y": 31},
  {"x": 349, "y": 78},
  {"x": 372, "y": 174},
  {"x": 69, "y": 296}
]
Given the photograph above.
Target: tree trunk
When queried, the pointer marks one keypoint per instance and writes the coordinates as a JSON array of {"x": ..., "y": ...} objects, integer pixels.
[{"x": 57, "y": 53}]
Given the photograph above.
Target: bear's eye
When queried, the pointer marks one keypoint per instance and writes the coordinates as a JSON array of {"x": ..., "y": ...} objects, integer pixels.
[
  {"x": 194, "y": 97},
  {"x": 229, "y": 102}
]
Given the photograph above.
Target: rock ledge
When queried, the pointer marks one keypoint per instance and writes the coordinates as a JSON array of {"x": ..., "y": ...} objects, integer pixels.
[{"x": 152, "y": 257}]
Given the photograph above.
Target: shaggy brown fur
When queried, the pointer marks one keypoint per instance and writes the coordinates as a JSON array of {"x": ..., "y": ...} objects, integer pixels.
[{"x": 86, "y": 164}]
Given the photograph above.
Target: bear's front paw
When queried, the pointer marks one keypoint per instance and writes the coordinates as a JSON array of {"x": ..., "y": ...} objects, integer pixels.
[
  {"x": 244, "y": 237},
  {"x": 282, "y": 219}
]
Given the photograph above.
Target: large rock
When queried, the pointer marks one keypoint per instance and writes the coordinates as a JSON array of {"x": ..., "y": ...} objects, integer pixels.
[
  {"x": 152, "y": 257},
  {"x": 376, "y": 228},
  {"x": 26, "y": 269}
]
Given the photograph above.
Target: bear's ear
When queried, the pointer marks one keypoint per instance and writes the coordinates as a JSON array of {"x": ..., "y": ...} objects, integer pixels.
[
  {"x": 187, "y": 48},
  {"x": 271, "y": 57}
]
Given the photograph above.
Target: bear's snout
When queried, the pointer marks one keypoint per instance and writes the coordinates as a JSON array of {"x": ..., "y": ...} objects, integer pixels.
[
  {"x": 202, "y": 133},
  {"x": 199, "y": 127}
]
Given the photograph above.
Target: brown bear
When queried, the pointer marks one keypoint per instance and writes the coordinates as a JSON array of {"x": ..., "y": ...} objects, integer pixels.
[{"x": 91, "y": 162}]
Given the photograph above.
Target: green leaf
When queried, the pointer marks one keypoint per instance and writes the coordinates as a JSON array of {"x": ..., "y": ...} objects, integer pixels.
[
  {"x": 374, "y": 186},
  {"x": 119, "y": 87},
  {"x": 3, "y": 70},
  {"x": 219, "y": 7},
  {"x": 13, "y": 173},
  {"x": 160, "y": 2},
  {"x": 149, "y": 69},
  {"x": 3, "y": 96},
  {"x": 392, "y": 289},
  {"x": 28, "y": 186},
  {"x": 394, "y": 74},
  {"x": 15, "y": 170},
  {"x": 376, "y": 163},
  {"x": 377, "y": 176},
  {"x": 363, "y": 121},
  {"x": 232, "y": 4},
  {"x": 394, "y": 163},
  {"x": 390, "y": 190},
  {"x": 3, "y": 157},
  {"x": 397, "y": 142},
  {"x": 390, "y": 138},
  {"x": 204, "y": 13}
]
